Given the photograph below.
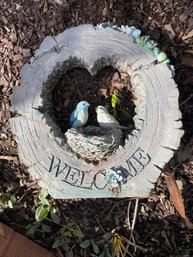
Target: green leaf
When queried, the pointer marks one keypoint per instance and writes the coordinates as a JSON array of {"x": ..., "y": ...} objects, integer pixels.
[
  {"x": 31, "y": 229},
  {"x": 44, "y": 201},
  {"x": 78, "y": 233},
  {"x": 13, "y": 199},
  {"x": 67, "y": 234},
  {"x": 57, "y": 243},
  {"x": 42, "y": 196},
  {"x": 55, "y": 218},
  {"x": 41, "y": 213},
  {"x": 10, "y": 205},
  {"x": 65, "y": 246},
  {"x": 67, "y": 239},
  {"x": 85, "y": 244},
  {"x": 43, "y": 193},
  {"x": 107, "y": 236},
  {"x": 114, "y": 113},
  {"x": 95, "y": 247},
  {"x": 107, "y": 254},
  {"x": 46, "y": 228},
  {"x": 113, "y": 100},
  {"x": 6, "y": 196}
]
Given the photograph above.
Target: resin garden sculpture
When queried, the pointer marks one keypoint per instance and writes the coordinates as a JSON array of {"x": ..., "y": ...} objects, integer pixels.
[{"x": 98, "y": 161}]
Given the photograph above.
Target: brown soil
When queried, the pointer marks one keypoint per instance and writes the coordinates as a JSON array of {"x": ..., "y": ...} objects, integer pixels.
[{"x": 23, "y": 25}]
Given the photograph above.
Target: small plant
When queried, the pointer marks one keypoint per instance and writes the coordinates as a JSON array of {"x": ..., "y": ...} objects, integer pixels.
[
  {"x": 88, "y": 243},
  {"x": 113, "y": 104},
  {"x": 93, "y": 246},
  {"x": 7, "y": 200},
  {"x": 44, "y": 206},
  {"x": 66, "y": 234},
  {"x": 120, "y": 243},
  {"x": 117, "y": 242},
  {"x": 43, "y": 210},
  {"x": 45, "y": 216},
  {"x": 38, "y": 227}
]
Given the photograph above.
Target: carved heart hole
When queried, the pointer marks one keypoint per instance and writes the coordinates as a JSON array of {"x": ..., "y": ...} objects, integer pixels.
[{"x": 77, "y": 84}]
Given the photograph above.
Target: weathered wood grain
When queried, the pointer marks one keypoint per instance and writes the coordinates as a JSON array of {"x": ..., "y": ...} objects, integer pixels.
[{"x": 148, "y": 147}]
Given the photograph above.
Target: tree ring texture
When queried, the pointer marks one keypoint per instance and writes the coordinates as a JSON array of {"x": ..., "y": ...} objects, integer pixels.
[{"x": 148, "y": 147}]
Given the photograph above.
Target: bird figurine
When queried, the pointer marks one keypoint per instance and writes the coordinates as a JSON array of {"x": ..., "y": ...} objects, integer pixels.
[
  {"x": 106, "y": 120},
  {"x": 79, "y": 116},
  {"x": 93, "y": 143}
]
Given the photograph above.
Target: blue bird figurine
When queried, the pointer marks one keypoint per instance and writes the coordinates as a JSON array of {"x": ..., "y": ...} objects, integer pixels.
[{"x": 79, "y": 116}]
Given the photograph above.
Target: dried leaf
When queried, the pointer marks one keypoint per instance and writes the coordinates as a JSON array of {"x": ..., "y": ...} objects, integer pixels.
[
  {"x": 177, "y": 198},
  {"x": 175, "y": 195},
  {"x": 188, "y": 223}
]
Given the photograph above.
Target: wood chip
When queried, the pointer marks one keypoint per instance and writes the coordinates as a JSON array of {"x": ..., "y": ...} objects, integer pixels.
[
  {"x": 188, "y": 35},
  {"x": 4, "y": 20},
  {"x": 8, "y": 158},
  {"x": 171, "y": 32},
  {"x": 26, "y": 52},
  {"x": 17, "y": 57},
  {"x": 106, "y": 11}
]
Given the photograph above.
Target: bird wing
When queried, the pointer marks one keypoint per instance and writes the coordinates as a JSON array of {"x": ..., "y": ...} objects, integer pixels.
[
  {"x": 73, "y": 117},
  {"x": 107, "y": 117},
  {"x": 112, "y": 119}
]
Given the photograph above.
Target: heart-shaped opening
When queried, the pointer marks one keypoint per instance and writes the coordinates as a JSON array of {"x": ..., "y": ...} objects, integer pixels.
[
  {"x": 109, "y": 88},
  {"x": 77, "y": 84},
  {"x": 104, "y": 82}
]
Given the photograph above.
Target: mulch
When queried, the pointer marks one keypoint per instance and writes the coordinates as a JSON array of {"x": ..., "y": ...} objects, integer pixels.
[{"x": 23, "y": 25}]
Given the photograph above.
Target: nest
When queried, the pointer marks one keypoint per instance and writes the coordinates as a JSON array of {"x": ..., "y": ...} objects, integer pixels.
[{"x": 93, "y": 143}]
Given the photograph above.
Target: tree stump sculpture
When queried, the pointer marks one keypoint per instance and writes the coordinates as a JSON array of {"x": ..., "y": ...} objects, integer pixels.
[{"x": 148, "y": 147}]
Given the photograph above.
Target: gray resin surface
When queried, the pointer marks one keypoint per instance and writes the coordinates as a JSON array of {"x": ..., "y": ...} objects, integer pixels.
[{"x": 148, "y": 147}]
